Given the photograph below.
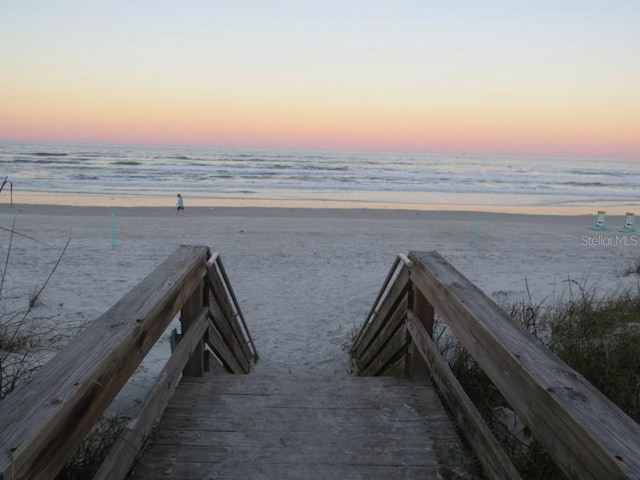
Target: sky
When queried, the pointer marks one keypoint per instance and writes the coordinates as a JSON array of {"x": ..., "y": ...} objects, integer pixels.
[{"x": 550, "y": 78}]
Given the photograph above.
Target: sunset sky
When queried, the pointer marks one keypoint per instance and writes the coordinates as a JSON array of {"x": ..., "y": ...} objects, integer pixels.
[{"x": 557, "y": 78}]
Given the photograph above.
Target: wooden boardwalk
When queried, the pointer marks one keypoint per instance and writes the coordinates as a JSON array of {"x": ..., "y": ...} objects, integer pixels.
[
  {"x": 250, "y": 426},
  {"x": 265, "y": 427}
]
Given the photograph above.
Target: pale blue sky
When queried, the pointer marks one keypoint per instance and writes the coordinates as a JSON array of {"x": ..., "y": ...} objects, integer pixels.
[{"x": 410, "y": 53}]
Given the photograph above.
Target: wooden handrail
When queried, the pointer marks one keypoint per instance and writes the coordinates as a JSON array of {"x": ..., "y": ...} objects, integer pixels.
[
  {"x": 44, "y": 420},
  {"x": 584, "y": 432},
  {"x": 126, "y": 449}
]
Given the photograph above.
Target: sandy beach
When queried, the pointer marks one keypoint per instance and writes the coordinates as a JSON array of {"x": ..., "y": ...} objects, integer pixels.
[
  {"x": 304, "y": 277},
  {"x": 236, "y": 201}
]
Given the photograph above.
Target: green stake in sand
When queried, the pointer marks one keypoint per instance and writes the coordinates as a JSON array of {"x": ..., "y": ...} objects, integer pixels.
[
  {"x": 113, "y": 230},
  {"x": 474, "y": 237}
]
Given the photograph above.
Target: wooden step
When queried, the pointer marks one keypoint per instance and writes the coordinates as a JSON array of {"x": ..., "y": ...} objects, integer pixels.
[{"x": 269, "y": 427}]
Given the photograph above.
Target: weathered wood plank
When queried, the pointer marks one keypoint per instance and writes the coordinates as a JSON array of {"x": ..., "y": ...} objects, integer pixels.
[
  {"x": 392, "y": 350},
  {"x": 578, "y": 426},
  {"x": 288, "y": 427},
  {"x": 494, "y": 460},
  {"x": 284, "y": 471},
  {"x": 277, "y": 401},
  {"x": 341, "y": 451},
  {"x": 234, "y": 330},
  {"x": 269, "y": 384},
  {"x": 188, "y": 314},
  {"x": 222, "y": 350},
  {"x": 223, "y": 327},
  {"x": 394, "y": 322},
  {"x": 234, "y": 391},
  {"x": 239, "y": 314},
  {"x": 365, "y": 436},
  {"x": 394, "y": 296},
  {"x": 282, "y": 419},
  {"x": 128, "y": 446},
  {"x": 42, "y": 422},
  {"x": 218, "y": 291},
  {"x": 416, "y": 366}
]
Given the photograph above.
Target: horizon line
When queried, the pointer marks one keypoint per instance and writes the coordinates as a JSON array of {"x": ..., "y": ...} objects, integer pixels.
[{"x": 312, "y": 149}]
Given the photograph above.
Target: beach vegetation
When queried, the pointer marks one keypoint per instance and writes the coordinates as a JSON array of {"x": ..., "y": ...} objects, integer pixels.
[
  {"x": 25, "y": 345},
  {"x": 34, "y": 298},
  {"x": 599, "y": 336},
  {"x": 22, "y": 344},
  {"x": 93, "y": 450},
  {"x": 633, "y": 268}
]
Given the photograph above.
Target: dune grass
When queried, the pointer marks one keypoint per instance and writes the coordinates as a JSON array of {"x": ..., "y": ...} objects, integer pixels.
[
  {"x": 597, "y": 336},
  {"x": 25, "y": 345},
  {"x": 21, "y": 340},
  {"x": 600, "y": 338},
  {"x": 93, "y": 450}
]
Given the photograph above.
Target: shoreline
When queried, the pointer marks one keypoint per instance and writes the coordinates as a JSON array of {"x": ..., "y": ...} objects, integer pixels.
[
  {"x": 199, "y": 206},
  {"x": 200, "y": 217},
  {"x": 274, "y": 212}
]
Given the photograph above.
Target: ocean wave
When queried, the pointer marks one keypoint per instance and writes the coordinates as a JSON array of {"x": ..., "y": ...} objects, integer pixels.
[
  {"x": 89, "y": 155},
  {"x": 127, "y": 162},
  {"x": 38, "y": 161},
  {"x": 140, "y": 170},
  {"x": 48, "y": 154},
  {"x": 326, "y": 168},
  {"x": 598, "y": 172},
  {"x": 586, "y": 184},
  {"x": 81, "y": 176},
  {"x": 247, "y": 158}
]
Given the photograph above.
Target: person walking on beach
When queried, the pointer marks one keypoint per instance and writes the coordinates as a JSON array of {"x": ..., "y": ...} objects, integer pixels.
[{"x": 180, "y": 205}]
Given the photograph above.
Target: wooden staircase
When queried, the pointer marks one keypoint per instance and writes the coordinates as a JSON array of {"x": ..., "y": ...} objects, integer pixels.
[
  {"x": 251, "y": 426},
  {"x": 269, "y": 427}
]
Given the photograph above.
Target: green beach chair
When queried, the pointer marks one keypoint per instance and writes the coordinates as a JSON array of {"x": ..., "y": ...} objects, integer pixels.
[
  {"x": 601, "y": 223},
  {"x": 629, "y": 224}
]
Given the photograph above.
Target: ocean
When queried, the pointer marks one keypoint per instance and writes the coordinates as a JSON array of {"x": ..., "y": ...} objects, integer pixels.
[{"x": 364, "y": 178}]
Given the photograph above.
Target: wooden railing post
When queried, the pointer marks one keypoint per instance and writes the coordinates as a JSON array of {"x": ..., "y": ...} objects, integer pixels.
[
  {"x": 416, "y": 366},
  {"x": 196, "y": 365}
]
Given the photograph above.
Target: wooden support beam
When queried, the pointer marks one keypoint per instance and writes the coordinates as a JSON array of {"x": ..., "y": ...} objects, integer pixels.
[
  {"x": 394, "y": 322},
  {"x": 396, "y": 294},
  {"x": 416, "y": 366},
  {"x": 188, "y": 315},
  {"x": 226, "y": 321},
  {"x": 223, "y": 351},
  {"x": 229, "y": 339},
  {"x": 390, "y": 353},
  {"x": 128, "y": 446},
  {"x": 495, "y": 462}
]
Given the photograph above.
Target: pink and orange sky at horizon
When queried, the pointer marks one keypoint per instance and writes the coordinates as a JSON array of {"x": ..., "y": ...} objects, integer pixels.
[{"x": 525, "y": 79}]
